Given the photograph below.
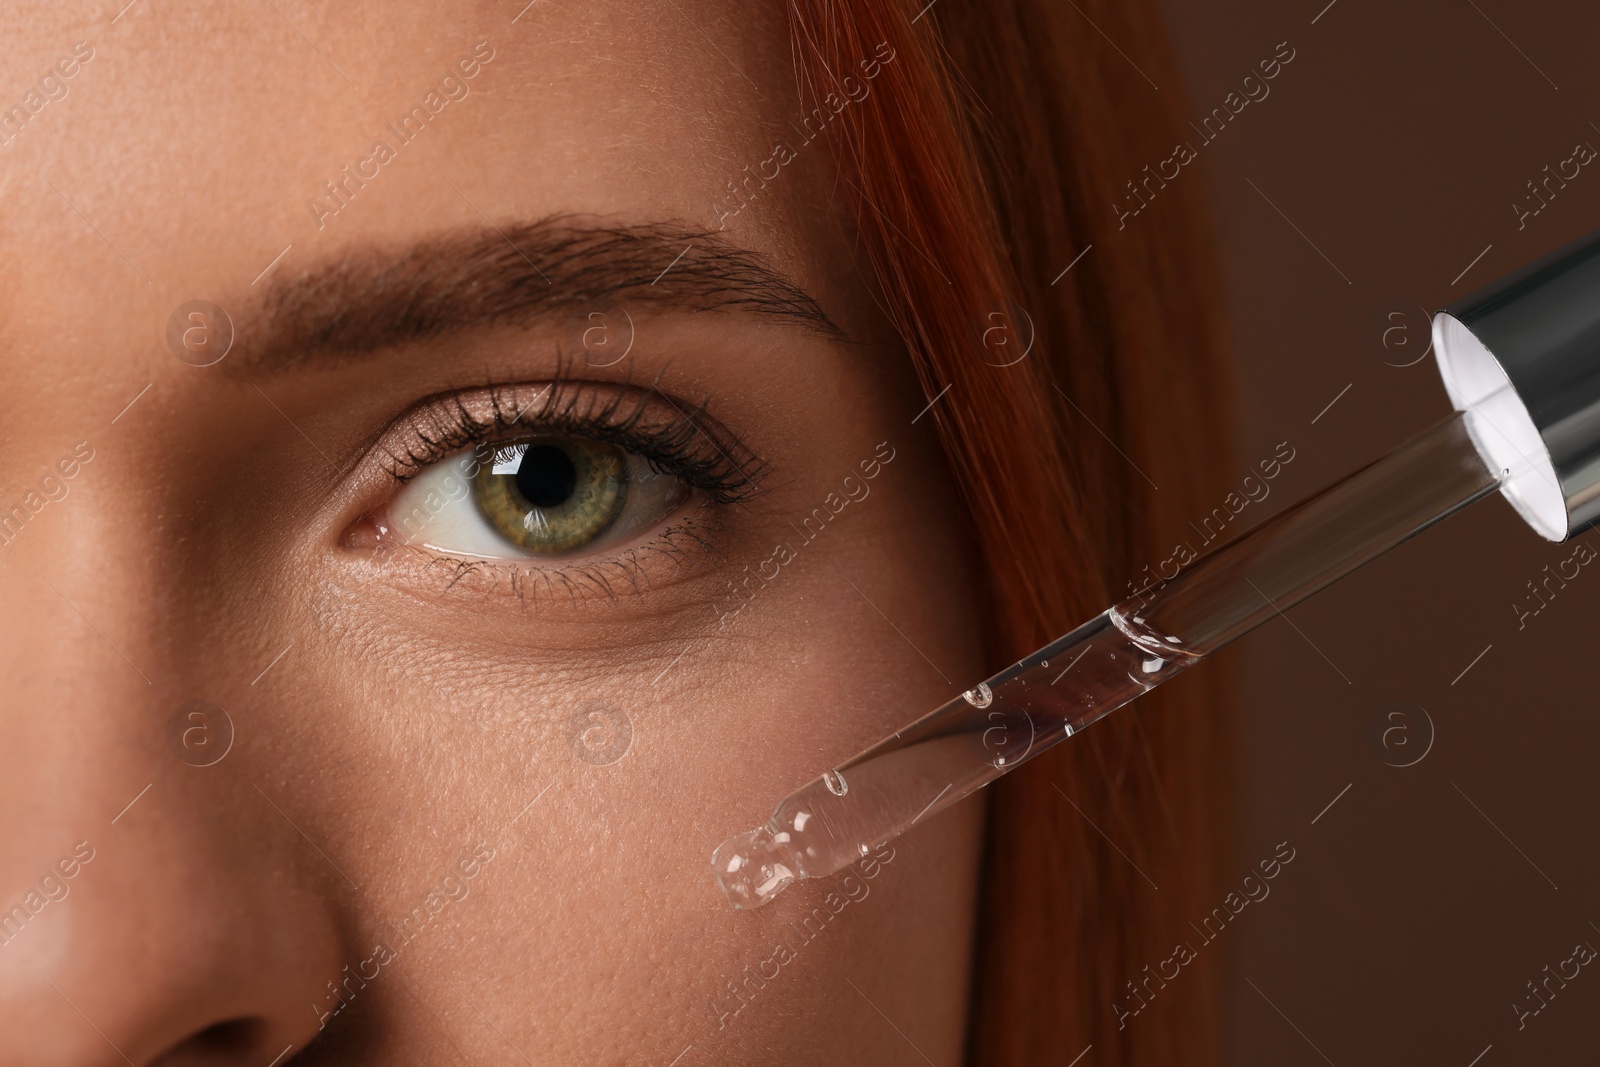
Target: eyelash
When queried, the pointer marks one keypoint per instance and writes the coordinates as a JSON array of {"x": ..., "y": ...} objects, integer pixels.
[
  {"x": 686, "y": 445},
  {"x": 726, "y": 471}
]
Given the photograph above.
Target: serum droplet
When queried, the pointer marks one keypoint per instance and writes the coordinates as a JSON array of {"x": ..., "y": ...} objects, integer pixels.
[
  {"x": 979, "y": 697},
  {"x": 835, "y": 783}
]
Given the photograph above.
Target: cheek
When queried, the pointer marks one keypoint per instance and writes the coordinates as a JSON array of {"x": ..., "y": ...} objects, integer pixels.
[{"x": 647, "y": 745}]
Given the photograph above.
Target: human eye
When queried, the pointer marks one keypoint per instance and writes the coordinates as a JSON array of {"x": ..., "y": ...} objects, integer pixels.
[
  {"x": 570, "y": 477},
  {"x": 540, "y": 497}
]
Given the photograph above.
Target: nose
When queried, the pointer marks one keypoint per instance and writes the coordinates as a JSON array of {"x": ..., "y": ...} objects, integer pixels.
[{"x": 156, "y": 910}]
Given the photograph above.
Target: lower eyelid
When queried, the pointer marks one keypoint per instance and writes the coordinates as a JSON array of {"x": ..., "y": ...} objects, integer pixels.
[{"x": 688, "y": 551}]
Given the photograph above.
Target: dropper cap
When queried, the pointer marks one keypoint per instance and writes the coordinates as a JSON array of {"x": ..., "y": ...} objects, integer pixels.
[{"x": 1522, "y": 356}]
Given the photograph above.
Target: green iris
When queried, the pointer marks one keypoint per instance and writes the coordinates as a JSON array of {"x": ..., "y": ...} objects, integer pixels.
[{"x": 552, "y": 495}]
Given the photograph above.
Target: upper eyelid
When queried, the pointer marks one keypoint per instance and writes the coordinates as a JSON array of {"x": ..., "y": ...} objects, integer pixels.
[{"x": 694, "y": 447}]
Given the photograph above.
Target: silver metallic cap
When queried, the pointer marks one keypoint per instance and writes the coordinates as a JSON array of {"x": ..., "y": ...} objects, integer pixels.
[{"x": 1522, "y": 355}]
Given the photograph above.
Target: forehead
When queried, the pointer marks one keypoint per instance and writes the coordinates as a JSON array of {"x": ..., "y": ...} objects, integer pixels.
[{"x": 192, "y": 146}]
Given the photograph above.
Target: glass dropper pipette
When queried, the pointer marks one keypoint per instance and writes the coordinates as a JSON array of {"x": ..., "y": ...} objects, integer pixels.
[
  {"x": 1520, "y": 360},
  {"x": 1110, "y": 660}
]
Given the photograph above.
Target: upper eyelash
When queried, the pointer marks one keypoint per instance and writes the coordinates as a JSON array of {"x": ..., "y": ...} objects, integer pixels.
[{"x": 715, "y": 463}]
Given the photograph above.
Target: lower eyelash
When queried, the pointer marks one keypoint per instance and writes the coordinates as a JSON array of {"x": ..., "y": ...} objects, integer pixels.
[{"x": 679, "y": 542}]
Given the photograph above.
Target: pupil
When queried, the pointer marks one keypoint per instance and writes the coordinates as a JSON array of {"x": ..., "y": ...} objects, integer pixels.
[{"x": 546, "y": 476}]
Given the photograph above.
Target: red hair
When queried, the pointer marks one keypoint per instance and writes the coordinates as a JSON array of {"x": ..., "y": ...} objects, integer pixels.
[{"x": 989, "y": 158}]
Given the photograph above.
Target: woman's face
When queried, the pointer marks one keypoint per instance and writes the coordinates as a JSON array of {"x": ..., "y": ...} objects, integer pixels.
[{"x": 377, "y": 693}]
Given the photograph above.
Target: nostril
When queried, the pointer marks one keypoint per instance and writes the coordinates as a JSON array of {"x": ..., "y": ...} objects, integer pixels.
[
  {"x": 228, "y": 1040},
  {"x": 235, "y": 1035}
]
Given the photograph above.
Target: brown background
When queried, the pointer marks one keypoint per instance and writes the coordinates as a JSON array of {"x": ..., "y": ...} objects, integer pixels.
[{"x": 1408, "y": 923}]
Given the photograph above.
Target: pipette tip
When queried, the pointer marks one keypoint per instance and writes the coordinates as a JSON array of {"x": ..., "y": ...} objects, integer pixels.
[{"x": 751, "y": 867}]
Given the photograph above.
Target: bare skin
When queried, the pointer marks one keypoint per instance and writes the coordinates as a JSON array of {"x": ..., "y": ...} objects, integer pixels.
[{"x": 477, "y": 796}]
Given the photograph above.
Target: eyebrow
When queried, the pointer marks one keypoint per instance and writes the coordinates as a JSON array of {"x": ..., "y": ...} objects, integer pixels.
[{"x": 542, "y": 272}]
